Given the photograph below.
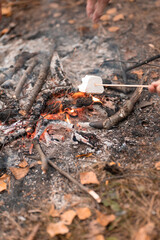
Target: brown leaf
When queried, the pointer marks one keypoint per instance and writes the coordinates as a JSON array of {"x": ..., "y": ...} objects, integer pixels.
[
  {"x": 154, "y": 75},
  {"x": 4, "y": 31},
  {"x": 83, "y": 213},
  {"x": 88, "y": 178},
  {"x": 23, "y": 164},
  {"x": 54, "y": 5},
  {"x": 138, "y": 72},
  {"x": 130, "y": 54},
  {"x": 6, "y": 11},
  {"x": 157, "y": 3},
  {"x": 53, "y": 212},
  {"x": 113, "y": 29},
  {"x": 95, "y": 229},
  {"x": 57, "y": 14},
  {"x": 68, "y": 216},
  {"x": 19, "y": 172},
  {"x": 99, "y": 237},
  {"x": 105, "y": 18},
  {"x": 103, "y": 219},
  {"x": 145, "y": 232},
  {"x": 4, "y": 181},
  {"x": 54, "y": 229},
  {"x": 118, "y": 17},
  {"x": 111, "y": 11},
  {"x": 71, "y": 21},
  {"x": 157, "y": 166}
]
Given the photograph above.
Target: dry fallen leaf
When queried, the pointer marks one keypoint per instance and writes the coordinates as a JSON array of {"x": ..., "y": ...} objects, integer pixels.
[
  {"x": 88, "y": 178},
  {"x": 4, "y": 180},
  {"x": 138, "y": 72},
  {"x": 105, "y": 18},
  {"x": 68, "y": 216},
  {"x": 54, "y": 5},
  {"x": 6, "y": 11},
  {"x": 57, "y": 14},
  {"x": 19, "y": 172},
  {"x": 107, "y": 182},
  {"x": 103, "y": 219},
  {"x": 99, "y": 237},
  {"x": 23, "y": 164},
  {"x": 4, "y": 31},
  {"x": 145, "y": 232},
  {"x": 157, "y": 166},
  {"x": 118, "y": 17},
  {"x": 113, "y": 29},
  {"x": 54, "y": 229},
  {"x": 71, "y": 21},
  {"x": 154, "y": 75},
  {"x": 111, "y": 11},
  {"x": 53, "y": 212},
  {"x": 83, "y": 213}
]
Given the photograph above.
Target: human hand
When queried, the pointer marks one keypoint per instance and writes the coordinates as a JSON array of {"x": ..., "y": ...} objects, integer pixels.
[
  {"x": 155, "y": 87},
  {"x": 95, "y": 8}
]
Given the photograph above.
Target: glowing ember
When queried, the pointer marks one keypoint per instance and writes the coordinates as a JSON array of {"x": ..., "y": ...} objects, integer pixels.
[
  {"x": 78, "y": 95},
  {"x": 96, "y": 99}
]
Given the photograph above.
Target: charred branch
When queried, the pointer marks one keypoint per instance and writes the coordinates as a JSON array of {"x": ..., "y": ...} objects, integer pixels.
[
  {"x": 24, "y": 78},
  {"x": 143, "y": 62},
  {"x": 12, "y": 137},
  {"x": 38, "y": 85},
  {"x": 121, "y": 114}
]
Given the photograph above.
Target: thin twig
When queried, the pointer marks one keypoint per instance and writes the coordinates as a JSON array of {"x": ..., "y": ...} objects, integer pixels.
[
  {"x": 41, "y": 154},
  {"x": 94, "y": 195},
  {"x": 34, "y": 232}
]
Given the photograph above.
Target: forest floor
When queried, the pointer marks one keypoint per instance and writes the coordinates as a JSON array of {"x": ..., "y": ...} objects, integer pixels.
[{"x": 126, "y": 160}]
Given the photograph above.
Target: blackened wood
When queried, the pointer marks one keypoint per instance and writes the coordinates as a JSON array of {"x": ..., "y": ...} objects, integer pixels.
[
  {"x": 143, "y": 62},
  {"x": 10, "y": 138},
  {"x": 38, "y": 85},
  {"x": 38, "y": 109},
  {"x": 24, "y": 78},
  {"x": 121, "y": 114},
  {"x": 84, "y": 102}
]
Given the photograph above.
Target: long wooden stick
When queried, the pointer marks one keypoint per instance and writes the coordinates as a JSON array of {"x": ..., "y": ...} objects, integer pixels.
[{"x": 121, "y": 85}]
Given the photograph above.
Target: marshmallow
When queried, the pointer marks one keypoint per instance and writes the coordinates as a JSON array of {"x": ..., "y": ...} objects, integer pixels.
[{"x": 89, "y": 84}]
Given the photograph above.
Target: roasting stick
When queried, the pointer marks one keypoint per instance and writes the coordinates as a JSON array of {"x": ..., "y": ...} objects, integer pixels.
[{"x": 121, "y": 85}]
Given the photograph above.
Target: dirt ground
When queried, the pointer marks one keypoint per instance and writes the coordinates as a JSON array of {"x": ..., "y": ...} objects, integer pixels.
[{"x": 129, "y": 188}]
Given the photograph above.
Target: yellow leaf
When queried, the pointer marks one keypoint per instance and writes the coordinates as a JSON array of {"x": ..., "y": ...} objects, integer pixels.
[
  {"x": 83, "y": 213},
  {"x": 145, "y": 232},
  {"x": 111, "y": 11},
  {"x": 6, "y": 11},
  {"x": 68, "y": 216},
  {"x": 88, "y": 178},
  {"x": 19, "y": 172},
  {"x": 118, "y": 17},
  {"x": 113, "y": 29},
  {"x": 54, "y": 229},
  {"x": 157, "y": 165},
  {"x": 103, "y": 219}
]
